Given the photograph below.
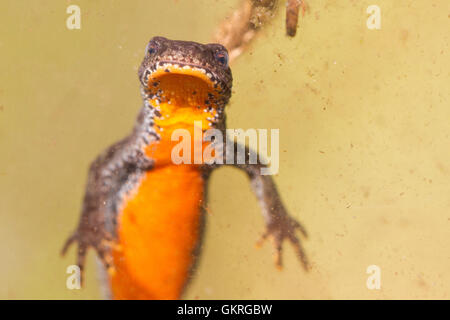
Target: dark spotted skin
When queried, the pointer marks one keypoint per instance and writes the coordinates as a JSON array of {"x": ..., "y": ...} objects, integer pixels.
[
  {"x": 110, "y": 175},
  {"x": 119, "y": 167}
]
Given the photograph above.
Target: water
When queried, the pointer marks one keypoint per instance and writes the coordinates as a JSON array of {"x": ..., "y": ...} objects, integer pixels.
[{"x": 364, "y": 134}]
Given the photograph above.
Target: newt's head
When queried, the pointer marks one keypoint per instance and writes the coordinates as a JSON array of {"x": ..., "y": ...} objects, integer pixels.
[{"x": 185, "y": 73}]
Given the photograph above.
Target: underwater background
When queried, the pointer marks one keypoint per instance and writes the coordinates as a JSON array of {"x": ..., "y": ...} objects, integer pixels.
[{"x": 364, "y": 119}]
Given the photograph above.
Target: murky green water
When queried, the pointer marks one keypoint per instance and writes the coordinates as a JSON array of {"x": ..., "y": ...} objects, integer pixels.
[{"x": 364, "y": 135}]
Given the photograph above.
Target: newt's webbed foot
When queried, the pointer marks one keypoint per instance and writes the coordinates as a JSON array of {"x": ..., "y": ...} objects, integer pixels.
[
  {"x": 102, "y": 244},
  {"x": 283, "y": 227}
]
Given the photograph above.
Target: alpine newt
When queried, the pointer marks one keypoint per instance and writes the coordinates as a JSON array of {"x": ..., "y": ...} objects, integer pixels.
[{"x": 143, "y": 214}]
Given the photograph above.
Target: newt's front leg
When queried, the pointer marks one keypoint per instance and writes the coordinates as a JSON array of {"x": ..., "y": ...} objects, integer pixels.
[
  {"x": 118, "y": 165},
  {"x": 280, "y": 225}
]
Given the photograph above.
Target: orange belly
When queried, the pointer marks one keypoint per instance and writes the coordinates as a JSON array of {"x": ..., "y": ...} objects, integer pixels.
[{"x": 158, "y": 232}]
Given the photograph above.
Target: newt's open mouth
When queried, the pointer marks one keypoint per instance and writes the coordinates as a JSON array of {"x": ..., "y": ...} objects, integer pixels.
[
  {"x": 183, "y": 85},
  {"x": 188, "y": 69},
  {"x": 165, "y": 68}
]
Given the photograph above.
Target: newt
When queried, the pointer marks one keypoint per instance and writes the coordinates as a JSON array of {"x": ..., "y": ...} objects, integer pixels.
[{"x": 143, "y": 214}]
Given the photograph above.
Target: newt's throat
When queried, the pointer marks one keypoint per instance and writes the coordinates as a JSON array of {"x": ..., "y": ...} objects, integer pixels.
[
  {"x": 182, "y": 97},
  {"x": 184, "y": 100},
  {"x": 181, "y": 90}
]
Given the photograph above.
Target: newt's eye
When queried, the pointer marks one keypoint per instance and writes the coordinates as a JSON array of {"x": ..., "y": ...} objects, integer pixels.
[
  {"x": 222, "y": 58},
  {"x": 151, "y": 48}
]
